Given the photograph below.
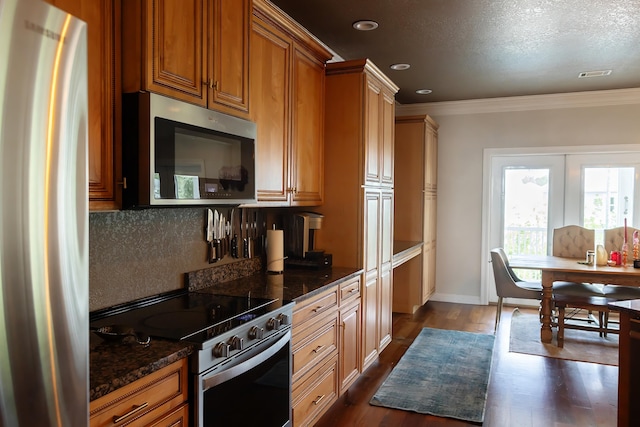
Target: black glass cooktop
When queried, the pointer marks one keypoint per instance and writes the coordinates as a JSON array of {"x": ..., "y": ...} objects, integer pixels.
[{"x": 191, "y": 316}]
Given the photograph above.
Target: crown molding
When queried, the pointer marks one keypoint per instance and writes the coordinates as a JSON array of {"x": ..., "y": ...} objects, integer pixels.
[{"x": 524, "y": 103}]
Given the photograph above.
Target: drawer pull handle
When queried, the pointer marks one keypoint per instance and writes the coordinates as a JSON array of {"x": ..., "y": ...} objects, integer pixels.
[
  {"x": 317, "y": 309},
  {"x": 318, "y": 348},
  {"x": 134, "y": 410},
  {"x": 353, "y": 290},
  {"x": 318, "y": 399}
]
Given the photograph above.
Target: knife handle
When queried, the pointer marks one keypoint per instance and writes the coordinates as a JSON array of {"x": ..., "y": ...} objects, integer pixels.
[
  {"x": 234, "y": 246},
  {"x": 245, "y": 248},
  {"x": 212, "y": 252}
]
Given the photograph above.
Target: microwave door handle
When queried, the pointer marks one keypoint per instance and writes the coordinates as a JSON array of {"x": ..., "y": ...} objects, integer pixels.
[{"x": 253, "y": 361}]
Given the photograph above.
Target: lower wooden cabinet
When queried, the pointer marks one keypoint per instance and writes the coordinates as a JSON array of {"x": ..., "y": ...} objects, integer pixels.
[
  {"x": 316, "y": 393},
  {"x": 349, "y": 346},
  {"x": 326, "y": 349},
  {"x": 158, "y": 399}
]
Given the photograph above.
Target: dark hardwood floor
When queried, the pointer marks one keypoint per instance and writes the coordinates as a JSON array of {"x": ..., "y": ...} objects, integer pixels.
[{"x": 524, "y": 390}]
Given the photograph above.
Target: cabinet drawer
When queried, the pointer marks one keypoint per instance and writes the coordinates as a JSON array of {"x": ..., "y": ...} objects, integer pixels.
[
  {"x": 144, "y": 400},
  {"x": 179, "y": 417},
  {"x": 349, "y": 290},
  {"x": 316, "y": 394},
  {"x": 318, "y": 345},
  {"x": 315, "y": 307}
]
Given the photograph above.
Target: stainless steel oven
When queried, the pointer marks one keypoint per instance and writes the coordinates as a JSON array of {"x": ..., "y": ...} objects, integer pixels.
[{"x": 251, "y": 389}]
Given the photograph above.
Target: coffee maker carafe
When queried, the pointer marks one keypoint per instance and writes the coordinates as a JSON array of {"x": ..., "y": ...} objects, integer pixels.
[{"x": 299, "y": 234}]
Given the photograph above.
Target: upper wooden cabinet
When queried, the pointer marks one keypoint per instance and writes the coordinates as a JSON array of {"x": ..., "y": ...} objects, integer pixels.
[
  {"x": 193, "y": 50},
  {"x": 361, "y": 78},
  {"x": 287, "y": 104},
  {"x": 103, "y": 41}
]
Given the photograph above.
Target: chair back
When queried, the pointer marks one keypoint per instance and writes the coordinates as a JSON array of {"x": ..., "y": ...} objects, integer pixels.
[
  {"x": 505, "y": 258},
  {"x": 506, "y": 286},
  {"x": 573, "y": 241},
  {"x": 614, "y": 238}
]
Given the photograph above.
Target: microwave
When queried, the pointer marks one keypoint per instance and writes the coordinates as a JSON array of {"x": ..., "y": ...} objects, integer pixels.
[{"x": 179, "y": 154}]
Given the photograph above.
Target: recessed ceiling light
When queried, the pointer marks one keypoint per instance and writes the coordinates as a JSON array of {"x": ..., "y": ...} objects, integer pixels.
[
  {"x": 424, "y": 91},
  {"x": 399, "y": 67},
  {"x": 365, "y": 25},
  {"x": 600, "y": 73}
]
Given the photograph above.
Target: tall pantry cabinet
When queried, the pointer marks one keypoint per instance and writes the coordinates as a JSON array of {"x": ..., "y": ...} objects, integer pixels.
[
  {"x": 416, "y": 149},
  {"x": 357, "y": 227}
]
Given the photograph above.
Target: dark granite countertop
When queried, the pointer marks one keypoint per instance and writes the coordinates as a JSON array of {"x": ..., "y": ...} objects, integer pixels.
[
  {"x": 114, "y": 365},
  {"x": 292, "y": 285}
]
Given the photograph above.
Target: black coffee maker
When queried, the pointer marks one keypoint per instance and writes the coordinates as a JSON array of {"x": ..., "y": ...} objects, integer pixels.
[{"x": 299, "y": 237}]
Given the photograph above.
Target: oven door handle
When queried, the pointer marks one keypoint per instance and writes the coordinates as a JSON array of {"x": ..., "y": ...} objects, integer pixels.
[{"x": 239, "y": 369}]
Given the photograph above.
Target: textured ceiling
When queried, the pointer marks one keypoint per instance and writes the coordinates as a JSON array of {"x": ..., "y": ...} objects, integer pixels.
[{"x": 471, "y": 49}]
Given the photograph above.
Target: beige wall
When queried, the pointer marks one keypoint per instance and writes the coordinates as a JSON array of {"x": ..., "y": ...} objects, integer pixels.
[{"x": 467, "y": 128}]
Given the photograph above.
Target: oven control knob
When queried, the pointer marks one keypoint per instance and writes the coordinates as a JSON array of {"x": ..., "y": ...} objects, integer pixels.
[
  {"x": 283, "y": 318},
  {"x": 273, "y": 324},
  {"x": 236, "y": 343},
  {"x": 256, "y": 333},
  {"x": 221, "y": 350}
]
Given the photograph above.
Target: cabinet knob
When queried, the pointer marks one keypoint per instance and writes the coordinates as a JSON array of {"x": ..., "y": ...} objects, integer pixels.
[
  {"x": 212, "y": 84},
  {"x": 123, "y": 183}
]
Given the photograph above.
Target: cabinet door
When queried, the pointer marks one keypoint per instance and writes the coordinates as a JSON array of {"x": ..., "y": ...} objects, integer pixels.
[
  {"x": 372, "y": 144},
  {"x": 307, "y": 129},
  {"x": 269, "y": 83},
  {"x": 431, "y": 158},
  {"x": 370, "y": 320},
  {"x": 349, "y": 344},
  {"x": 174, "y": 50},
  {"x": 103, "y": 39},
  {"x": 370, "y": 313},
  {"x": 387, "y": 133},
  {"x": 386, "y": 276},
  {"x": 229, "y": 56},
  {"x": 429, "y": 246}
]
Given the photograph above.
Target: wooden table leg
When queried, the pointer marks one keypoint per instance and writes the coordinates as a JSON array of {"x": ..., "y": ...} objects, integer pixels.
[{"x": 547, "y": 296}]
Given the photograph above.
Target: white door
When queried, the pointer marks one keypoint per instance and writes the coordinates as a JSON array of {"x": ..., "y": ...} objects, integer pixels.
[{"x": 527, "y": 197}]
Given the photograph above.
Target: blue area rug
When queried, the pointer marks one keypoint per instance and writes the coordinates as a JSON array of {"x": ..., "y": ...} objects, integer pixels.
[{"x": 443, "y": 373}]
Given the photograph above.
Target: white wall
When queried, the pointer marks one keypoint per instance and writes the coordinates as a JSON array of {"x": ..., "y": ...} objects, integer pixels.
[{"x": 468, "y": 127}]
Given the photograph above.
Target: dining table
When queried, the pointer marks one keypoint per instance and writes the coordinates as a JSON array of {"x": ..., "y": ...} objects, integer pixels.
[{"x": 555, "y": 269}]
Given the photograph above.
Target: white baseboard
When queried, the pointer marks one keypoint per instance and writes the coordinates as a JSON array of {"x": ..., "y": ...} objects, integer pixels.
[{"x": 458, "y": 299}]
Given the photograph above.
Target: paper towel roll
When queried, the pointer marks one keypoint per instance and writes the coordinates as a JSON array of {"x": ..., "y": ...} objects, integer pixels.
[{"x": 275, "y": 251}]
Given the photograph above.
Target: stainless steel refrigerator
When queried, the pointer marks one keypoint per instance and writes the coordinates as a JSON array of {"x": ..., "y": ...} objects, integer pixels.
[{"x": 44, "y": 279}]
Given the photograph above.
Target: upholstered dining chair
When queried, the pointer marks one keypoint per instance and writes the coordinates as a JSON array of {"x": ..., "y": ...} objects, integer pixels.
[
  {"x": 572, "y": 241},
  {"x": 507, "y": 286},
  {"x": 614, "y": 239}
]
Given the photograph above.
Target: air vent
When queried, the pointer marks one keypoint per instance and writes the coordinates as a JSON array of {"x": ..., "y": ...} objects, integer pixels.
[{"x": 601, "y": 73}]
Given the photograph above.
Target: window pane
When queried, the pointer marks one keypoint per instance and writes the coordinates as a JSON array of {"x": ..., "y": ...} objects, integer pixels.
[
  {"x": 608, "y": 198},
  {"x": 526, "y": 211}
]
